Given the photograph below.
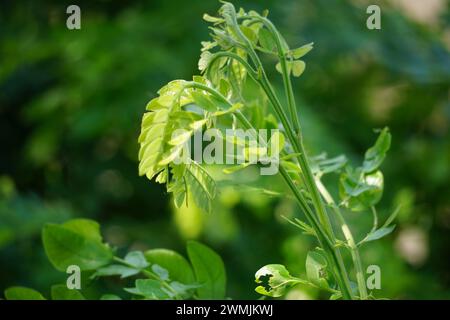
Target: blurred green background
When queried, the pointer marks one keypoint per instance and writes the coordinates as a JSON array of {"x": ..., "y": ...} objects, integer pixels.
[{"x": 71, "y": 102}]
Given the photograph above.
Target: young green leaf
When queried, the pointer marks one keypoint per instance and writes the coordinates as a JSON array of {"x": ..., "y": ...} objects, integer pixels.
[
  {"x": 376, "y": 154},
  {"x": 61, "y": 292},
  {"x": 201, "y": 185},
  {"x": 392, "y": 217},
  {"x": 250, "y": 34},
  {"x": 162, "y": 273},
  {"x": 303, "y": 50},
  {"x": 208, "y": 45},
  {"x": 202, "y": 100},
  {"x": 274, "y": 280},
  {"x": 178, "y": 267},
  {"x": 212, "y": 19},
  {"x": 298, "y": 67},
  {"x": 292, "y": 167},
  {"x": 209, "y": 271},
  {"x": 222, "y": 38},
  {"x": 336, "y": 296},
  {"x": 224, "y": 87},
  {"x": 89, "y": 229},
  {"x": 360, "y": 191},
  {"x": 266, "y": 40},
  {"x": 306, "y": 228},
  {"x": 378, "y": 234},
  {"x": 183, "y": 290},
  {"x": 236, "y": 168},
  {"x": 75, "y": 243},
  {"x": 22, "y": 293},
  {"x": 136, "y": 259},
  {"x": 150, "y": 289},
  {"x": 158, "y": 126},
  {"x": 289, "y": 66},
  {"x": 316, "y": 269},
  {"x": 320, "y": 165},
  {"x": 116, "y": 270},
  {"x": 277, "y": 143}
]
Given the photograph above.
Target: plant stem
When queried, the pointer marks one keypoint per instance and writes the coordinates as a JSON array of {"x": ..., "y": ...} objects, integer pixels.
[
  {"x": 150, "y": 275},
  {"x": 350, "y": 240},
  {"x": 297, "y": 142},
  {"x": 338, "y": 268},
  {"x": 286, "y": 78},
  {"x": 294, "y": 137},
  {"x": 308, "y": 176},
  {"x": 375, "y": 219}
]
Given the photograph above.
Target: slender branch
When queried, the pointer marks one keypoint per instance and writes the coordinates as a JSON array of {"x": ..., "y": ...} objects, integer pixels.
[
  {"x": 236, "y": 57},
  {"x": 286, "y": 78},
  {"x": 297, "y": 144},
  {"x": 295, "y": 140},
  {"x": 375, "y": 219},
  {"x": 339, "y": 270},
  {"x": 284, "y": 70},
  {"x": 350, "y": 240},
  {"x": 149, "y": 274}
]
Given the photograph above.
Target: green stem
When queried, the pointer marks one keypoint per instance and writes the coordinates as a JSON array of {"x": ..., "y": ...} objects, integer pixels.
[
  {"x": 286, "y": 78},
  {"x": 295, "y": 140},
  {"x": 303, "y": 161},
  {"x": 375, "y": 219},
  {"x": 150, "y": 275},
  {"x": 307, "y": 283},
  {"x": 338, "y": 268},
  {"x": 336, "y": 261},
  {"x": 350, "y": 241},
  {"x": 236, "y": 57}
]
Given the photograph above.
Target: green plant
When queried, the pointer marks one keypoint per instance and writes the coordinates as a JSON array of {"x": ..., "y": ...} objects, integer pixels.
[
  {"x": 156, "y": 274},
  {"x": 230, "y": 63}
]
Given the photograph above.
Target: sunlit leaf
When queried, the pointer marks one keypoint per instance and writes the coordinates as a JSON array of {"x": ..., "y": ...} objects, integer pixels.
[
  {"x": 274, "y": 280},
  {"x": 266, "y": 40},
  {"x": 303, "y": 50},
  {"x": 236, "y": 168},
  {"x": 212, "y": 19},
  {"x": 67, "y": 245},
  {"x": 177, "y": 266},
  {"x": 298, "y": 67},
  {"x": 209, "y": 271}
]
